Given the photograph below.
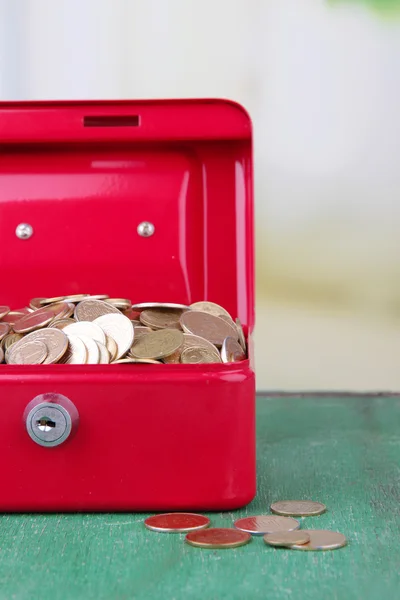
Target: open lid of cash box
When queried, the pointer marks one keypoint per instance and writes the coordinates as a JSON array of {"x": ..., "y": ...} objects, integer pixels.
[{"x": 86, "y": 176}]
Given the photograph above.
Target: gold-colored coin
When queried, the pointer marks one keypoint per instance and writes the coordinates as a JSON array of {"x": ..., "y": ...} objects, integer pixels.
[
  {"x": 321, "y": 539},
  {"x": 92, "y": 349},
  {"x": 158, "y": 344},
  {"x": 218, "y": 538},
  {"x": 35, "y": 303},
  {"x": 232, "y": 351},
  {"x": 12, "y": 317},
  {"x": 75, "y": 298},
  {"x": 160, "y": 318},
  {"x": 76, "y": 353},
  {"x": 104, "y": 354},
  {"x": 89, "y": 310},
  {"x": 242, "y": 339},
  {"x": 198, "y": 355},
  {"x": 36, "y": 320},
  {"x": 55, "y": 341},
  {"x": 111, "y": 347},
  {"x": 211, "y": 308},
  {"x": 44, "y": 301},
  {"x": 10, "y": 339},
  {"x": 4, "y": 310},
  {"x": 61, "y": 323},
  {"x": 97, "y": 297},
  {"x": 162, "y": 305},
  {"x": 121, "y": 303},
  {"x": 146, "y": 361},
  {"x": 212, "y": 328},
  {"x": 298, "y": 508},
  {"x": 28, "y": 353},
  {"x": 120, "y": 328},
  {"x": 286, "y": 538},
  {"x": 88, "y": 328},
  {"x": 66, "y": 313},
  {"x": 4, "y": 330},
  {"x": 1, "y": 355}
]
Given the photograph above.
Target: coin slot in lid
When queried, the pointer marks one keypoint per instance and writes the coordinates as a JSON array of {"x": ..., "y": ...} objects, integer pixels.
[{"x": 111, "y": 121}]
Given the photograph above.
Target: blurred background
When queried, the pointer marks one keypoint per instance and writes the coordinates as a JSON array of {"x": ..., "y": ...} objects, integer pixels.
[{"x": 321, "y": 80}]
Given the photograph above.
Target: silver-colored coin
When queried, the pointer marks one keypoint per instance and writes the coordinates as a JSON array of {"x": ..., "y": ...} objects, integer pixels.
[
  {"x": 93, "y": 352},
  {"x": 76, "y": 353},
  {"x": 87, "y": 328},
  {"x": 262, "y": 524},
  {"x": 104, "y": 354},
  {"x": 231, "y": 351},
  {"x": 321, "y": 539},
  {"x": 120, "y": 329},
  {"x": 298, "y": 508}
]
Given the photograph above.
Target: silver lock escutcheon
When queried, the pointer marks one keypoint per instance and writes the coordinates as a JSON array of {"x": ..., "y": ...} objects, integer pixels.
[{"x": 50, "y": 419}]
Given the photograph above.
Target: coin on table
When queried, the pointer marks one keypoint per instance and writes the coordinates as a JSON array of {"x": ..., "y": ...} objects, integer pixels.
[
  {"x": 160, "y": 318},
  {"x": 286, "y": 538},
  {"x": 212, "y": 328},
  {"x": 61, "y": 323},
  {"x": 39, "y": 318},
  {"x": 232, "y": 351},
  {"x": 158, "y": 344},
  {"x": 29, "y": 353},
  {"x": 298, "y": 508},
  {"x": 321, "y": 539},
  {"x": 211, "y": 308},
  {"x": 163, "y": 305},
  {"x": 4, "y": 310},
  {"x": 262, "y": 524},
  {"x": 242, "y": 339},
  {"x": 177, "y": 522},
  {"x": 4, "y": 330},
  {"x": 92, "y": 349},
  {"x": 218, "y": 538},
  {"x": 89, "y": 328},
  {"x": 89, "y": 310},
  {"x": 198, "y": 356},
  {"x": 55, "y": 341},
  {"x": 76, "y": 353},
  {"x": 111, "y": 347},
  {"x": 104, "y": 354},
  {"x": 120, "y": 329}
]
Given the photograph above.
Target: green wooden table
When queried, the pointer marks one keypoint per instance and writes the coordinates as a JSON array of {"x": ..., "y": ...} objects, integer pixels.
[{"x": 340, "y": 449}]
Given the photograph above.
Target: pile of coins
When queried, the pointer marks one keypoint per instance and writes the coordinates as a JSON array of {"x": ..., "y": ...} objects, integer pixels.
[
  {"x": 85, "y": 329},
  {"x": 279, "y": 529}
]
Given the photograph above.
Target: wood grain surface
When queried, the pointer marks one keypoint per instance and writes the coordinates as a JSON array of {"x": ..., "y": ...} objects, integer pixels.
[{"x": 343, "y": 451}]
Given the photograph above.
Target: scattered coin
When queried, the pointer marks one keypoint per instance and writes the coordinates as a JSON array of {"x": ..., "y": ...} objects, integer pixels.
[
  {"x": 321, "y": 539},
  {"x": 198, "y": 355},
  {"x": 212, "y": 328},
  {"x": 231, "y": 351},
  {"x": 211, "y": 308},
  {"x": 89, "y": 310},
  {"x": 120, "y": 329},
  {"x": 4, "y": 310},
  {"x": 89, "y": 328},
  {"x": 160, "y": 318},
  {"x": 298, "y": 508},
  {"x": 177, "y": 522},
  {"x": 218, "y": 538},
  {"x": 262, "y": 524},
  {"x": 286, "y": 538},
  {"x": 29, "y": 353},
  {"x": 158, "y": 344}
]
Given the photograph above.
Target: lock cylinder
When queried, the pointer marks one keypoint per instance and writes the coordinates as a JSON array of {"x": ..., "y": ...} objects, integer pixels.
[{"x": 51, "y": 419}]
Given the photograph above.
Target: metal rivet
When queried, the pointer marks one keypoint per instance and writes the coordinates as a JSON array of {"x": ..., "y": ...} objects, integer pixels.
[
  {"x": 145, "y": 229},
  {"x": 24, "y": 231}
]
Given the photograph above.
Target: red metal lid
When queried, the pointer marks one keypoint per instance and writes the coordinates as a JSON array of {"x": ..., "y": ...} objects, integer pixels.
[{"x": 85, "y": 175}]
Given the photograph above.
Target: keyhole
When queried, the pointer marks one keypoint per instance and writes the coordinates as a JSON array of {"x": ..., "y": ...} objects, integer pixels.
[{"x": 45, "y": 424}]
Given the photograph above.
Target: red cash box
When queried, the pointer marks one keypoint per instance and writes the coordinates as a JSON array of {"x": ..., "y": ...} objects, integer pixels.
[{"x": 84, "y": 175}]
